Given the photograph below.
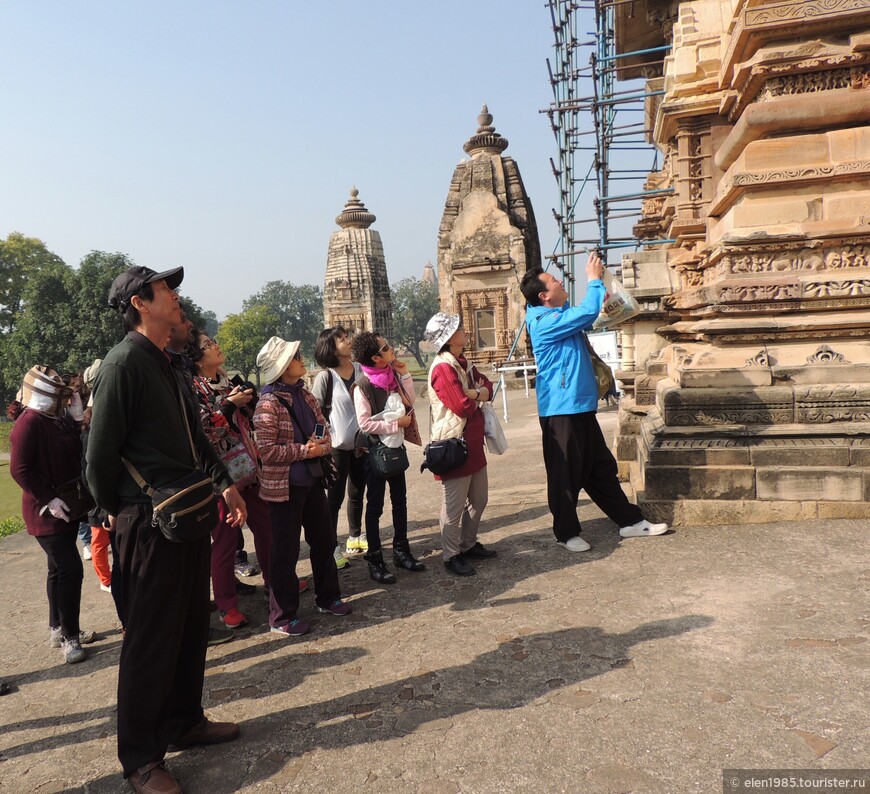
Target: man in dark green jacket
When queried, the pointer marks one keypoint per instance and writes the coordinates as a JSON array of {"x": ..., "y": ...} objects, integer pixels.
[{"x": 137, "y": 415}]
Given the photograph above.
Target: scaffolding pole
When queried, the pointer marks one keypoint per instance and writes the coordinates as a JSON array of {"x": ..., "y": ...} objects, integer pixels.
[{"x": 588, "y": 106}]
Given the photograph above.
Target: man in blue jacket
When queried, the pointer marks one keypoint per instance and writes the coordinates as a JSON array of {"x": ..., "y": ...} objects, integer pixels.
[{"x": 575, "y": 453}]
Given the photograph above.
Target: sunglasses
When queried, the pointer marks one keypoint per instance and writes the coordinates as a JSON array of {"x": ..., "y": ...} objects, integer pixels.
[
  {"x": 385, "y": 348},
  {"x": 298, "y": 356}
]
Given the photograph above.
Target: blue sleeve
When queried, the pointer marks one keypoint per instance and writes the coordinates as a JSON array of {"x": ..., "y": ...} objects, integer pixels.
[{"x": 561, "y": 325}]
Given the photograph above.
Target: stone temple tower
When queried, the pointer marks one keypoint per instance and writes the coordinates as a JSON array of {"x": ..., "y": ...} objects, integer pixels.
[
  {"x": 356, "y": 291},
  {"x": 487, "y": 240}
]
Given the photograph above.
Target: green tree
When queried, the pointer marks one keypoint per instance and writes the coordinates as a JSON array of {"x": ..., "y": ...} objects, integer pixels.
[
  {"x": 242, "y": 335},
  {"x": 204, "y": 320},
  {"x": 298, "y": 309},
  {"x": 44, "y": 327},
  {"x": 97, "y": 327},
  {"x": 414, "y": 302},
  {"x": 21, "y": 258}
]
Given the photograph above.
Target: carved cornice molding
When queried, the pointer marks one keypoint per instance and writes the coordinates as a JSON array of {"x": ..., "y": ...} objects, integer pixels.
[
  {"x": 814, "y": 71},
  {"x": 799, "y": 10},
  {"x": 735, "y": 185}
]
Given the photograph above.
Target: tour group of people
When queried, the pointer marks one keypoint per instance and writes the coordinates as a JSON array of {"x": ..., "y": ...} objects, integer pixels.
[{"x": 131, "y": 446}]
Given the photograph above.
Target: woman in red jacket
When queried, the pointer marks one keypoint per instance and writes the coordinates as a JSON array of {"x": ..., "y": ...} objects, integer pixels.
[
  {"x": 47, "y": 452},
  {"x": 456, "y": 390}
]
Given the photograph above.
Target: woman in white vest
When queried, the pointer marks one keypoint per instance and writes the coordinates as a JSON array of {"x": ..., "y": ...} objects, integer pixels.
[
  {"x": 332, "y": 389},
  {"x": 456, "y": 391}
]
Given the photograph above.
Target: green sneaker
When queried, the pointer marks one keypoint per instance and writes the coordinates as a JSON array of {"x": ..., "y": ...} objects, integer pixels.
[{"x": 340, "y": 560}]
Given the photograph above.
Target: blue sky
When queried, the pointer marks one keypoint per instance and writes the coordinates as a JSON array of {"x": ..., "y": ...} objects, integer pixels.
[{"x": 225, "y": 136}]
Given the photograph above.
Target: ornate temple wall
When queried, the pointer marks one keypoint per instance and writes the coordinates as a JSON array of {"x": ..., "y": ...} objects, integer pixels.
[
  {"x": 487, "y": 240},
  {"x": 758, "y": 407}
]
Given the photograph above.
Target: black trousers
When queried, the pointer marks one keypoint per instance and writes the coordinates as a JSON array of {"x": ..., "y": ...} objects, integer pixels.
[
  {"x": 376, "y": 488},
  {"x": 306, "y": 509},
  {"x": 63, "y": 584},
  {"x": 576, "y": 457},
  {"x": 160, "y": 678},
  {"x": 352, "y": 478}
]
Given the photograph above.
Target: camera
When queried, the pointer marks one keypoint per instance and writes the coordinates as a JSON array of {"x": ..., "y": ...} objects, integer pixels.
[{"x": 244, "y": 385}]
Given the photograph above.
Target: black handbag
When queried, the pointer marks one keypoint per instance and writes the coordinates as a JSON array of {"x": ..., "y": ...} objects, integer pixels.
[
  {"x": 76, "y": 496},
  {"x": 442, "y": 457},
  {"x": 387, "y": 461}
]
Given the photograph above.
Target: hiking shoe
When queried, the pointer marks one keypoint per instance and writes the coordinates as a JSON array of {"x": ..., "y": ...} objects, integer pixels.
[
  {"x": 86, "y": 552},
  {"x": 340, "y": 560},
  {"x": 643, "y": 529},
  {"x": 55, "y": 637},
  {"x": 72, "y": 650},
  {"x": 459, "y": 566},
  {"x": 295, "y": 628},
  {"x": 357, "y": 545},
  {"x": 479, "y": 552},
  {"x": 575, "y": 544},
  {"x": 232, "y": 618},
  {"x": 337, "y": 608},
  {"x": 106, "y": 588},
  {"x": 245, "y": 568}
]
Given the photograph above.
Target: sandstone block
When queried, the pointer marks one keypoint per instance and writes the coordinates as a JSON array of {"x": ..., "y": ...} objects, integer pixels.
[
  {"x": 798, "y": 455},
  {"x": 849, "y": 510},
  {"x": 712, "y": 482},
  {"x": 700, "y": 456},
  {"x": 816, "y": 484}
]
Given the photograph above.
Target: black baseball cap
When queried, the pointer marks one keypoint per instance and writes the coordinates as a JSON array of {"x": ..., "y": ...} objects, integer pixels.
[{"x": 133, "y": 279}]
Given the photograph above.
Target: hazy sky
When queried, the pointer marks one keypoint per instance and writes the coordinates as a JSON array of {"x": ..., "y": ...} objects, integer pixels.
[{"x": 225, "y": 136}]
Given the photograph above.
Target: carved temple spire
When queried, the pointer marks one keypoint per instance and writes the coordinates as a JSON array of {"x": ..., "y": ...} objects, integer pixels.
[
  {"x": 486, "y": 140},
  {"x": 355, "y": 215}
]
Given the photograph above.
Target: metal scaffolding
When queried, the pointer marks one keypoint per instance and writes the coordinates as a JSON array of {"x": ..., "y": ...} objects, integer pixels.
[{"x": 600, "y": 132}]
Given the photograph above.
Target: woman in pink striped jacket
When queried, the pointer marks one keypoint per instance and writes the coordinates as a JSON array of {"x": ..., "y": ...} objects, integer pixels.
[{"x": 288, "y": 420}]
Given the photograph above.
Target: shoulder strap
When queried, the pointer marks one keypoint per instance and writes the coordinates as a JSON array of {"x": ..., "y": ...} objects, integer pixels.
[{"x": 327, "y": 400}]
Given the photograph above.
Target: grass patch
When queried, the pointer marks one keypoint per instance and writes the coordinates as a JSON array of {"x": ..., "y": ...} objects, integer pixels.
[
  {"x": 5, "y": 430},
  {"x": 10, "y": 503}
]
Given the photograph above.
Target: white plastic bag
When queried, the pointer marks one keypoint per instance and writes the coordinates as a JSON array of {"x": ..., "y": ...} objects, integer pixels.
[
  {"x": 496, "y": 442},
  {"x": 618, "y": 306},
  {"x": 393, "y": 410}
]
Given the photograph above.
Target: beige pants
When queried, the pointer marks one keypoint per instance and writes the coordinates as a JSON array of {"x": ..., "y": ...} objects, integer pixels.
[{"x": 464, "y": 500}]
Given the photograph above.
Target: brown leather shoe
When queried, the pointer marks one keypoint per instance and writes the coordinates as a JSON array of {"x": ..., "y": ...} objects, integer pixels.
[
  {"x": 154, "y": 779},
  {"x": 206, "y": 732}
]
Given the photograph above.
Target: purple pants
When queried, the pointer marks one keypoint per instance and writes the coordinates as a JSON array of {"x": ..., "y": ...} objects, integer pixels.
[{"x": 224, "y": 540}]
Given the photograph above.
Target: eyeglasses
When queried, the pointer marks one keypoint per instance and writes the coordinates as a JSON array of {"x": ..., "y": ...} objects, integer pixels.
[
  {"x": 209, "y": 344},
  {"x": 385, "y": 348}
]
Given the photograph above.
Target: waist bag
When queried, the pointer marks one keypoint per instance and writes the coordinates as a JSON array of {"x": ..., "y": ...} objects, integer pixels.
[
  {"x": 442, "y": 457},
  {"x": 387, "y": 461},
  {"x": 185, "y": 509},
  {"x": 76, "y": 496}
]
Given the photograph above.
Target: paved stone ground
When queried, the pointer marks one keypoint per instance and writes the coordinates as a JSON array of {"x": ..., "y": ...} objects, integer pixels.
[{"x": 647, "y": 665}]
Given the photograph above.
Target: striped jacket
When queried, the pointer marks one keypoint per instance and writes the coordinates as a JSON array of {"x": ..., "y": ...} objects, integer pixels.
[{"x": 276, "y": 444}]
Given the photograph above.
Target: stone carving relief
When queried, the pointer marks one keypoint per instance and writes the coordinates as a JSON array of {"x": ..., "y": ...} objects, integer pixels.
[
  {"x": 760, "y": 359},
  {"x": 806, "y": 83},
  {"x": 826, "y": 355},
  {"x": 782, "y": 260},
  {"x": 801, "y": 9},
  {"x": 825, "y": 404},
  {"x": 824, "y": 289}
]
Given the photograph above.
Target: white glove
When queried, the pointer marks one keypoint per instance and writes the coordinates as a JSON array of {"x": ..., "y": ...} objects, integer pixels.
[
  {"x": 75, "y": 407},
  {"x": 59, "y": 509}
]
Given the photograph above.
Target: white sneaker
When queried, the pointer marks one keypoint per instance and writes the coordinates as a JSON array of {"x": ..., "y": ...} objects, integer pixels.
[
  {"x": 575, "y": 544},
  {"x": 643, "y": 529},
  {"x": 105, "y": 588},
  {"x": 86, "y": 552}
]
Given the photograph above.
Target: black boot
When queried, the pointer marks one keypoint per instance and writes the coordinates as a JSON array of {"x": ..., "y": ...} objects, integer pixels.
[
  {"x": 378, "y": 568},
  {"x": 403, "y": 558}
]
